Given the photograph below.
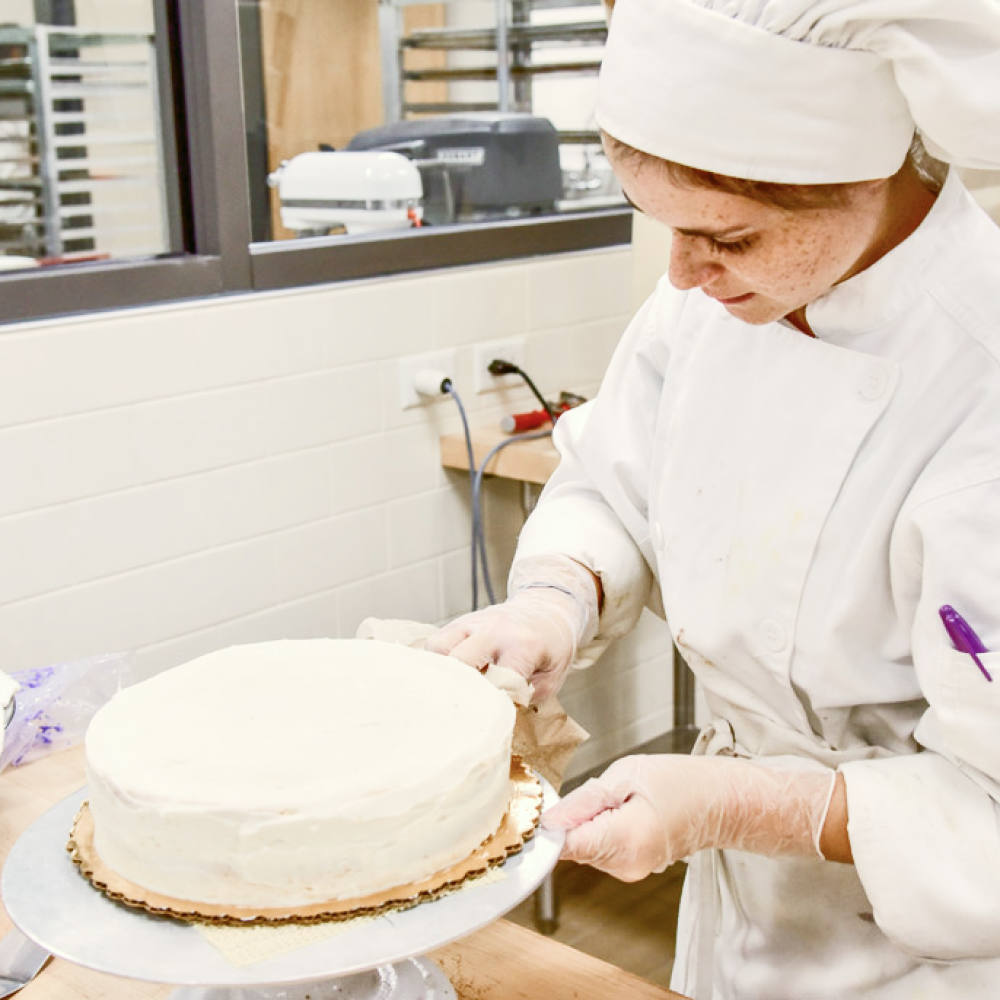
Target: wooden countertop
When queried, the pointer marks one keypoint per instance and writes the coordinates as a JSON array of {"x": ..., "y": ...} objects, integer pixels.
[
  {"x": 500, "y": 962},
  {"x": 528, "y": 461}
]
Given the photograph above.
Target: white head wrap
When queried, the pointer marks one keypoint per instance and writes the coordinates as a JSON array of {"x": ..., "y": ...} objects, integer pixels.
[{"x": 804, "y": 91}]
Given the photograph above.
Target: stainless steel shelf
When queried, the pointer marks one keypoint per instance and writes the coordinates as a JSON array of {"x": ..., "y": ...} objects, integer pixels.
[
  {"x": 102, "y": 211},
  {"x": 77, "y": 38},
  {"x": 448, "y": 107},
  {"x": 94, "y": 184},
  {"x": 485, "y": 39},
  {"x": 554, "y": 4},
  {"x": 22, "y": 183},
  {"x": 489, "y": 73},
  {"x": 65, "y": 64},
  {"x": 101, "y": 119},
  {"x": 579, "y": 138},
  {"x": 76, "y": 90},
  {"x": 102, "y": 166},
  {"x": 110, "y": 139}
]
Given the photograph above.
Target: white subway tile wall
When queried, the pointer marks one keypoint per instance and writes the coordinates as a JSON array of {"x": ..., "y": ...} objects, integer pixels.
[
  {"x": 182, "y": 478},
  {"x": 624, "y": 699}
]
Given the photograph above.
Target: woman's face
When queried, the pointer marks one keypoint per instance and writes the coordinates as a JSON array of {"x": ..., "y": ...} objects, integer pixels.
[{"x": 760, "y": 262}]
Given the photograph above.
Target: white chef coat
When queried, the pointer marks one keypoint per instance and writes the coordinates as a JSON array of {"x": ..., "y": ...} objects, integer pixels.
[{"x": 802, "y": 507}]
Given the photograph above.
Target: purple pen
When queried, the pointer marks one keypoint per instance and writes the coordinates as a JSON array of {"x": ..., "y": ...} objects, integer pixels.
[{"x": 962, "y": 636}]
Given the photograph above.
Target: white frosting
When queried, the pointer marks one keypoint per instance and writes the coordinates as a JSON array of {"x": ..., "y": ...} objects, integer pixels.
[
  {"x": 299, "y": 771},
  {"x": 513, "y": 684}
]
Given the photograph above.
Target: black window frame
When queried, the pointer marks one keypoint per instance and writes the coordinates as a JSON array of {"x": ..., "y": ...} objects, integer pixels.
[{"x": 209, "y": 202}]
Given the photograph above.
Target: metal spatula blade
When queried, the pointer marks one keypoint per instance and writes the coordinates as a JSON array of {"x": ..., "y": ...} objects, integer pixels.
[{"x": 20, "y": 961}]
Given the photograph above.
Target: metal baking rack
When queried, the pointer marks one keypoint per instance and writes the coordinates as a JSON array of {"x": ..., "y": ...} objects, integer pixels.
[
  {"x": 81, "y": 173},
  {"x": 518, "y": 51}
]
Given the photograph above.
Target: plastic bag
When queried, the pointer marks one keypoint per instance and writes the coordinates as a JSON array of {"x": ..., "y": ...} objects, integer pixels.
[{"x": 56, "y": 703}]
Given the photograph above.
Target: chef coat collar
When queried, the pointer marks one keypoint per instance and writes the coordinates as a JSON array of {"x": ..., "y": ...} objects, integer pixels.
[{"x": 878, "y": 294}]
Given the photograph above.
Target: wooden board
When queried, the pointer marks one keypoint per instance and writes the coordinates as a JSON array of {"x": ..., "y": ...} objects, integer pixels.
[
  {"x": 510, "y": 962},
  {"x": 527, "y": 461}
]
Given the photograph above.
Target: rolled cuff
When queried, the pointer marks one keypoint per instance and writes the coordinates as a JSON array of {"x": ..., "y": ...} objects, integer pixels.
[
  {"x": 926, "y": 847},
  {"x": 589, "y": 532}
]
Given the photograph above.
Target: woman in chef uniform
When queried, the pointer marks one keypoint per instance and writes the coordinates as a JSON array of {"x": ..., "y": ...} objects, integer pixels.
[{"x": 795, "y": 456}]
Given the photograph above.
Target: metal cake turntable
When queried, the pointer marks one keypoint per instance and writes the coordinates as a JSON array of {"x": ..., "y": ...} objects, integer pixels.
[{"x": 382, "y": 959}]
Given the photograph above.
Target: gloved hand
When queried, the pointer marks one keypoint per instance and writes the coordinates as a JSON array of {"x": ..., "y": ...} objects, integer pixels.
[
  {"x": 646, "y": 812},
  {"x": 552, "y": 610}
]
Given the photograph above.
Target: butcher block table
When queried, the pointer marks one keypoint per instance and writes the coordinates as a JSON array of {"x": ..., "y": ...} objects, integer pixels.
[
  {"x": 500, "y": 962},
  {"x": 528, "y": 460}
]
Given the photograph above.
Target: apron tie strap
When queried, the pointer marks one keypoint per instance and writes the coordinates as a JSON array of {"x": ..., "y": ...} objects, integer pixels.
[{"x": 717, "y": 739}]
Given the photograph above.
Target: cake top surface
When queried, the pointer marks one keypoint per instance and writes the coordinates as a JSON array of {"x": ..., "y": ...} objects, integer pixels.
[{"x": 292, "y": 722}]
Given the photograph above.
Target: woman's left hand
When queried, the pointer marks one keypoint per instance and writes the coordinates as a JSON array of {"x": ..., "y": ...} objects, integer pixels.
[{"x": 646, "y": 812}]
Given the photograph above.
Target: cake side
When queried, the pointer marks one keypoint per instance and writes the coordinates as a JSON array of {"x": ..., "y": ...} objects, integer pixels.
[{"x": 296, "y": 772}]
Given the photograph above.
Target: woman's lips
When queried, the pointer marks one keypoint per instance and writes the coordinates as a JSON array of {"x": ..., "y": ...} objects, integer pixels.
[{"x": 734, "y": 300}]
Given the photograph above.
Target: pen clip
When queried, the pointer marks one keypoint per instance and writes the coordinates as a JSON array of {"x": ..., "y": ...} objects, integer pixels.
[{"x": 963, "y": 637}]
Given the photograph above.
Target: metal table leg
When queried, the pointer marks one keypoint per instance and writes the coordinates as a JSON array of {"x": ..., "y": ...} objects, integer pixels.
[{"x": 545, "y": 906}]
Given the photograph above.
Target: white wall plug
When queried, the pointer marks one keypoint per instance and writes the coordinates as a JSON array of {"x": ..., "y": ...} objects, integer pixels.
[
  {"x": 420, "y": 376},
  {"x": 431, "y": 381}
]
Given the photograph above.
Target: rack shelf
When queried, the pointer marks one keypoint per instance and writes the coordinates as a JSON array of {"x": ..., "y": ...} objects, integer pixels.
[
  {"x": 485, "y": 39},
  {"x": 490, "y": 72}
]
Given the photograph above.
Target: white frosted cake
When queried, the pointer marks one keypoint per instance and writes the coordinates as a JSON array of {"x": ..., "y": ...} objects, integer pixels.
[{"x": 283, "y": 774}]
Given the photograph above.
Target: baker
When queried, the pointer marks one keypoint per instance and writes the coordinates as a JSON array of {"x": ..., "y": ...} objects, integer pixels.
[{"x": 795, "y": 457}]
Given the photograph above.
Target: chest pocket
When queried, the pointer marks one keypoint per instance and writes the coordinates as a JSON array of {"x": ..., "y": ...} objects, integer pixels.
[{"x": 755, "y": 442}]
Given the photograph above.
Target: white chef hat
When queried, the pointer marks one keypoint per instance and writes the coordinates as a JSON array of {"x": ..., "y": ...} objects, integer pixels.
[{"x": 804, "y": 91}]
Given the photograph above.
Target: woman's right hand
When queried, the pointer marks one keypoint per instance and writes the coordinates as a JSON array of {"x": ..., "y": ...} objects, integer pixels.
[{"x": 552, "y": 611}]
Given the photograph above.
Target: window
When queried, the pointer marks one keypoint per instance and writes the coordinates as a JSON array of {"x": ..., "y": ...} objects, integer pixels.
[
  {"x": 82, "y": 170},
  {"x": 138, "y": 139},
  {"x": 470, "y": 119},
  {"x": 479, "y": 112}
]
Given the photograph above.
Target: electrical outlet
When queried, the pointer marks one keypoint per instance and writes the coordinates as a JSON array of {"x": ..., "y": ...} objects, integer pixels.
[
  {"x": 511, "y": 350},
  {"x": 407, "y": 368}
]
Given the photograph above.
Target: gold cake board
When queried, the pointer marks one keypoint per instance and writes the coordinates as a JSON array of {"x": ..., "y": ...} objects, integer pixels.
[{"x": 516, "y": 828}]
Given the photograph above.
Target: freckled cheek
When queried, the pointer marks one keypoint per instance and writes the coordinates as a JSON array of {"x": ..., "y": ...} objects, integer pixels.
[{"x": 800, "y": 264}]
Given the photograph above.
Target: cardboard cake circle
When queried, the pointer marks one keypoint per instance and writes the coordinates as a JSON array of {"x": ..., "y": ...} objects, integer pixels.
[{"x": 516, "y": 828}]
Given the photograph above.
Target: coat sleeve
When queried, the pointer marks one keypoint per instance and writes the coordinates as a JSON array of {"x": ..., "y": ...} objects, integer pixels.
[
  {"x": 594, "y": 508},
  {"x": 925, "y": 828}
]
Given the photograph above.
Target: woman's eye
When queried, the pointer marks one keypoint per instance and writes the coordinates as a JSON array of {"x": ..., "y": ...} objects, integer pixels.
[{"x": 734, "y": 246}]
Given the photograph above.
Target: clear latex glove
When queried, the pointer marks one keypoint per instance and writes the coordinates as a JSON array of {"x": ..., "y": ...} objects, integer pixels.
[
  {"x": 646, "y": 812},
  {"x": 552, "y": 610}
]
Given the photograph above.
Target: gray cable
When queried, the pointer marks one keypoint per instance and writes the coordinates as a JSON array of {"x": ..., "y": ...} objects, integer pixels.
[{"x": 477, "y": 517}]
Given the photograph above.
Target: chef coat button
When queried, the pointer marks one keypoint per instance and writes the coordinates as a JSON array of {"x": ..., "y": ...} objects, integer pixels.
[
  {"x": 874, "y": 382},
  {"x": 658, "y": 535},
  {"x": 773, "y": 635}
]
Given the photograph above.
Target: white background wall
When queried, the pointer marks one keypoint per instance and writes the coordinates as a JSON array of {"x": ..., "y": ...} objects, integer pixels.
[{"x": 182, "y": 478}]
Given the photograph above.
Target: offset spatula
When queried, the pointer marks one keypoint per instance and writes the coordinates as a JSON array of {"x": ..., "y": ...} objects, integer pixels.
[{"x": 20, "y": 961}]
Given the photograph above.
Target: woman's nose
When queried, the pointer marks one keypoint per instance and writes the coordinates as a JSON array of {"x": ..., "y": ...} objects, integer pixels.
[{"x": 690, "y": 264}]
